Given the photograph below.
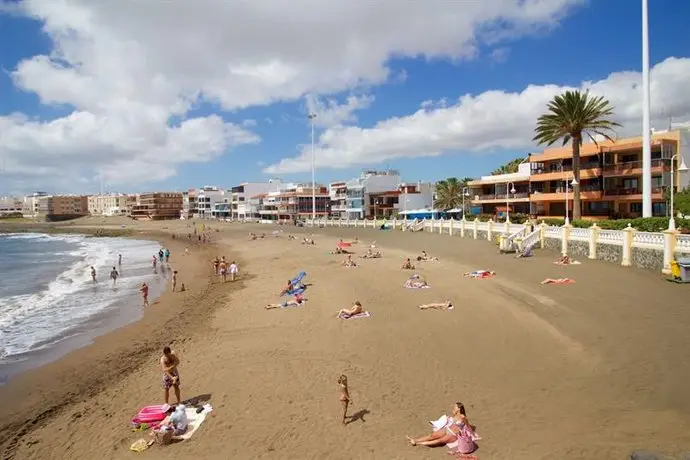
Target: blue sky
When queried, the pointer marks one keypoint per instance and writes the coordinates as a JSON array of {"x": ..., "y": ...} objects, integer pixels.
[{"x": 586, "y": 45}]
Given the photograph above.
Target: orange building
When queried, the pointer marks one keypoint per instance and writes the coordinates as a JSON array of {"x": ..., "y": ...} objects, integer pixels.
[
  {"x": 158, "y": 206},
  {"x": 610, "y": 176}
]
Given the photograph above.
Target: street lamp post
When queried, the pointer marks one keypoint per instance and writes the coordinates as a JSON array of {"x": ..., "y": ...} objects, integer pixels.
[
  {"x": 313, "y": 170},
  {"x": 510, "y": 188},
  {"x": 567, "y": 187},
  {"x": 646, "y": 117},
  {"x": 465, "y": 192},
  {"x": 681, "y": 168}
]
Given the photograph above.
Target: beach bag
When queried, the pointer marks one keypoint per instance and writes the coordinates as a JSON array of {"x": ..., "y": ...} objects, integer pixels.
[{"x": 163, "y": 437}]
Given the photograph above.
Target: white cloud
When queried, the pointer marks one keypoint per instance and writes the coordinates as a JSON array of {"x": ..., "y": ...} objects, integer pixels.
[
  {"x": 248, "y": 123},
  {"x": 330, "y": 112},
  {"x": 126, "y": 68},
  {"x": 499, "y": 55},
  {"x": 490, "y": 120}
]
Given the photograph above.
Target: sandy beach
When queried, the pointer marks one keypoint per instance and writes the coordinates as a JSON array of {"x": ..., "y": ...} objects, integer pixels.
[{"x": 596, "y": 369}]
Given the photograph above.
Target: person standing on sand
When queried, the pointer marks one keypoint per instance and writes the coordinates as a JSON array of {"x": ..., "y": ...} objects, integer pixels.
[
  {"x": 174, "y": 280},
  {"x": 144, "y": 289},
  {"x": 223, "y": 269},
  {"x": 93, "y": 274},
  {"x": 171, "y": 376},
  {"x": 113, "y": 275},
  {"x": 234, "y": 270},
  {"x": 167, "y": 255},
  {"x": 119, "y": 259},
  {"x": 154, "y": 262},
  {"x": 345, "y": 399}
]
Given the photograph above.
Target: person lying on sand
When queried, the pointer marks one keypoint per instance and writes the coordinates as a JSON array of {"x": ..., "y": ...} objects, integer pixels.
[
  {"x": 447, "y": 305},
  {"x": 407, "y": 265},
  {"x": 252, "y": 236},
  {"x": 458, "y": 428},
  {"x": 425, "y": 257},
  {"x": 415, "y": 282},
  {"x": 356, "y": 309},
  {"x": 292, "y": 237},
  {"x": 345, "y": 399},
  {"x": 299, "y": 300},
  {"x": 371, "y": 255},
  {"x": 563, "y": 260},
  {"x": 306, "y": 240},
  {"x": 558, "y": 281},
  {"x": 479, "y": 274},
  {"x": 339, "y": 250},
  {"x": 348, "y": 262},
  {"x": 262, "y": 236}
]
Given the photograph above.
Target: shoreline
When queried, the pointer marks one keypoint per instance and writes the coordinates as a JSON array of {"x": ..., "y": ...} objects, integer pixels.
[
  {"x": 122, "y": 312},
  {"x": 40, "y": 393}
]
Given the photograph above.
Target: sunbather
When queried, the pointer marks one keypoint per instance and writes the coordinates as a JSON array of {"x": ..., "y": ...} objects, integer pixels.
[
  {"x": 415, "y": 282},
  {"x": 426, "y": 257},
  {"x": 371, "y": 255},
  {"x": 458, "y": 429},
  {"x": 306, "y": 240},
  {"x": 479, "y": 274},
  {"x": 563, "y": 260},
  {"x": 348, "y": 262},
  {"x": 447, "y": 305},
  {"x": 407, "y": 265},
  {"x": 299, "y": 300},
  {"x": 252, "y": 236},
  {"x": 292, "y": 237},
  {"x": 339, "y": 250},
  {"x": 557, "y": 281},
  {"x": 356, "y": 309}
]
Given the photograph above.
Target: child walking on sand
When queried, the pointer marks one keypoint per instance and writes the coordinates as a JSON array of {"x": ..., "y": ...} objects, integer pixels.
[{"x": 345, "y": 399}]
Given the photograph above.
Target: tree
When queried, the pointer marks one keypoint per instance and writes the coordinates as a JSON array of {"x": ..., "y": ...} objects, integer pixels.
[
  {"x": 449, "y": 193},
  {"x": 681, "y": 201},
  {"x": 509, "y": 168},
  {"x": 570, "y": 116}
]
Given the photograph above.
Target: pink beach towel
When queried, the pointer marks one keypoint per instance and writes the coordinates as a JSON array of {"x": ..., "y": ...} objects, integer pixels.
[{"x": 364, "y": 314}]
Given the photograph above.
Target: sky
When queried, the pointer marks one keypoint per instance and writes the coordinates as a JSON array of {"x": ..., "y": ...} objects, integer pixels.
[{"x": 176, "y": 94}]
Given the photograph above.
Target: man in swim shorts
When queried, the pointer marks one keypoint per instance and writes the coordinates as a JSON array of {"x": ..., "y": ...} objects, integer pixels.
[
  {"x": 113, "y": 275},
  {"x": 171, "y": 377}
]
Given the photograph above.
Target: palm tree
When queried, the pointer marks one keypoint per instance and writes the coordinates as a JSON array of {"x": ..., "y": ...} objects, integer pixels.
[
  {"x": 570, "y": 116},
  {"x": 508, "y": 168},
  {"x": 449, "y": 193}
]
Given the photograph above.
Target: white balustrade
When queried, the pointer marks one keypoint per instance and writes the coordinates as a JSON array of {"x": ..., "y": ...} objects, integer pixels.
[
  {"x": 579, "y": 234},
  {"x": 611, "y": 237},
  {"x": 648, "y": 239}
]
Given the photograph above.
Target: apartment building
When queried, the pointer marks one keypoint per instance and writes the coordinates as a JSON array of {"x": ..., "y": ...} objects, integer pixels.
[
  {"x": 189, "y": 203},
  {"x": 206, "y": 199},
  {"x": 501, "y": 193},
  {"x": 130, "y": 202},
  {"x": 62, "y": 207},
  {"x": 10, "y": 205},
  {"x": 405, "y": 197},
  {"x": 30, "y": 205},
  {"x": 158, "y": 206},
  {"x": 240, "y": 205},
  {"x": 292, "y": 202},
  {"x": 337, "y": 191},
  {"x": 610, "y": 176},
  {"x": 113, "y": 204}
]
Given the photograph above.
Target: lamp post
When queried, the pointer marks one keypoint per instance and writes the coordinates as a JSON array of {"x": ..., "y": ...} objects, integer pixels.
[
  {"x": 313, "y": 169},
  {"x": 646, "y": 125},
  {"x": 510, "y": 188},
  {"x": 681, "y": 168},
  {"x": 567, "y": 186},
  {"x": 465, "y": 192}
]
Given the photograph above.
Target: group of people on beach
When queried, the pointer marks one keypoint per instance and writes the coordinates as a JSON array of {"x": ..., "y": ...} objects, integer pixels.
[{"x": 222, "y": 269}]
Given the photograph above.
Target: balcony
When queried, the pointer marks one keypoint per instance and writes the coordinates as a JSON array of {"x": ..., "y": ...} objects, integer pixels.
[
  {"x": 561, "y": 195},
  {"x": 632, "y": 193},
  {"x": 634, "y": 168},
  {"x": 499, "y": 197},
  {"x": 587, "y": 171}
]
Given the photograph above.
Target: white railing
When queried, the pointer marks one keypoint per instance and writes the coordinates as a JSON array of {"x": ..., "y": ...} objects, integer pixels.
[{"x": 589, "y": 240}]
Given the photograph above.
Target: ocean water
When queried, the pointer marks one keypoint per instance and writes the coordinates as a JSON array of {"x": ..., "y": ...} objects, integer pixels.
[{"x": 48, "y": 303}]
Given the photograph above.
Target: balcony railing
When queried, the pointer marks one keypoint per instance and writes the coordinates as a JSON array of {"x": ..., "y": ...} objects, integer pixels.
[
  {"x": 501, "y": 196},
  {"x": 622, "y": 167},
  {"x": 566, "y": 168},
  {"x": 629, "y": 191}
]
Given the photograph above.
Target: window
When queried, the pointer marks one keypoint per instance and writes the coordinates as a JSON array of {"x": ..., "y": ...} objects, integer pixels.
[
  {"x": 630, "y": 183},
  {"x": 659, "y": 209},
  {"x": 657, "y": 181},
  {"x": 636, "y": 207}
]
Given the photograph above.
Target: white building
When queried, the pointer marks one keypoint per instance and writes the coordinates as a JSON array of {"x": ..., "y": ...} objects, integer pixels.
[
  {"x": 419, "y": 195},
  {"x": 240, "y": 206},
  {"x": 30, "y": 208},
  {"x": 206, "y": 199},
  {"x": 11, "y": 205},
  {"x": 111, "y": 204}
]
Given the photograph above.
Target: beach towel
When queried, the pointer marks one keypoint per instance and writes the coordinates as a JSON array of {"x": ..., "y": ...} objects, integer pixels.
[
  {"x": 299, "y": 278},
  {"x": 296, "y": 292},
  {"x": 480, "y": 274},
  {"x": 572, "y": 262},
  {"x": 139, "y": 445},
  {"x": 344, "y": 244},
  {"x": 440, "y": 423},
  {"x": 194, "y": 421},
  {"x": 408, "y": 284},
  {"x": 463, "y": 456},
  {"x": 558, "y": 281},
  {"x": 364, "y": 314}
]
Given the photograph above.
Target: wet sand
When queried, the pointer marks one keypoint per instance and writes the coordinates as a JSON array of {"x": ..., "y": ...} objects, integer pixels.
[{"x": 596, "y": 369}]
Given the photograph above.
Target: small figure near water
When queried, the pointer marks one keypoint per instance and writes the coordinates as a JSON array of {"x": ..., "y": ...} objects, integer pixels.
[
  {"x": 174, "y": 280},
  {"x": 144, "y": 289},
  {"x": 93, "y": 274},
  {"x": 114, "y": 275},
  {"x": 119, "y": 259}
]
